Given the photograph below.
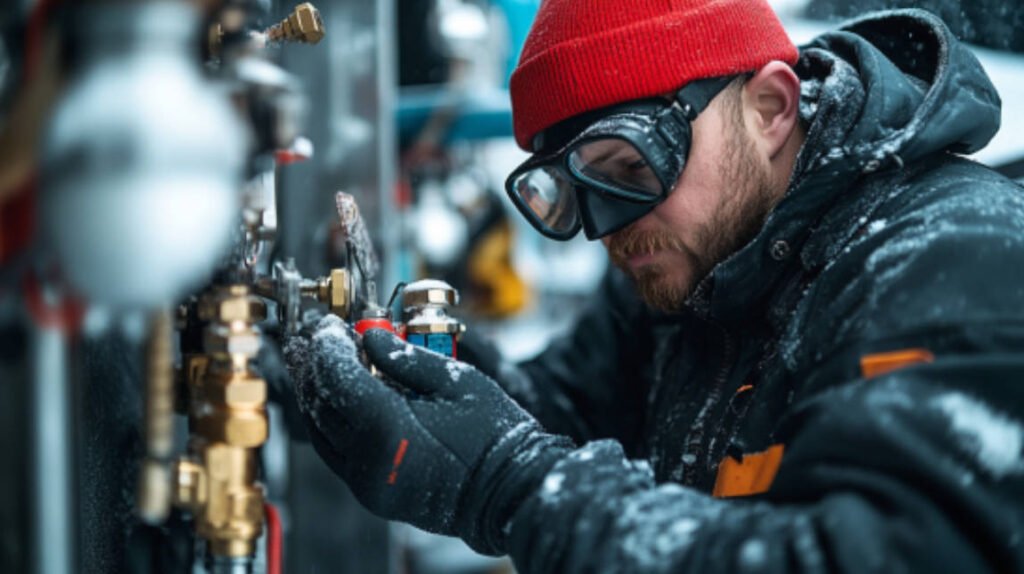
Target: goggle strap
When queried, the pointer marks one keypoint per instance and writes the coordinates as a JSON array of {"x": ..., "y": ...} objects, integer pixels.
[{"x": 696, "y": 96}]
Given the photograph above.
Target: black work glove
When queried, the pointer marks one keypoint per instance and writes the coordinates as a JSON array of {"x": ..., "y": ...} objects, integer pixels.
[
  {"x": 440, "y": 446},
  {"x": 481, "y": 352},
  {"x": 275, "y": 370}
]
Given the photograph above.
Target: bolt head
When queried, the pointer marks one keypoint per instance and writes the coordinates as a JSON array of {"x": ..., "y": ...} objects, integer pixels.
[
  {"x": 339, "y": 295},
  {"x": 309, "y": 24}
]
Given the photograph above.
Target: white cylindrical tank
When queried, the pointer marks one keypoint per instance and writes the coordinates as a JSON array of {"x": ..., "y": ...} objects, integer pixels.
[{"x": 142, "y": 160}]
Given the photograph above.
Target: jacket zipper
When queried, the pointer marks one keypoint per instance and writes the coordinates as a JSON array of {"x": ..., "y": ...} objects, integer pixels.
[{"x": 694, "y": 444}]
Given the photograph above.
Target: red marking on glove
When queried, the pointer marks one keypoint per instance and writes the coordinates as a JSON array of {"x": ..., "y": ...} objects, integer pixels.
[{"x": 399, "y": 455}]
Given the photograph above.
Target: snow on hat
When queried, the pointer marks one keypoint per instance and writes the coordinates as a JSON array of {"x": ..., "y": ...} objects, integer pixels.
[{"x": 583, "y": 55}]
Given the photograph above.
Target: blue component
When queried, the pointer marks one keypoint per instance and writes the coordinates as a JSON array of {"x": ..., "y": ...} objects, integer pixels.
[
  {"x": 481, "y": 113},
  {"x": 519, "y": 15},
  {"x": 438, "y": 342}
]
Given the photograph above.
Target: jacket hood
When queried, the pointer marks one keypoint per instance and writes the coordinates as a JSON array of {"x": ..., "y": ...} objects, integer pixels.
[
  {"x": 905, "y": 86},
  {"x": 880, "y": 92}
]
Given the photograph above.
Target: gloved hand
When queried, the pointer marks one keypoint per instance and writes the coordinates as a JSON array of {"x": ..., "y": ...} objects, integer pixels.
[
  {"x": 274, "y": 369},
  {"x": 481, "y": 352},
  {"x": 439, "y": 446}
]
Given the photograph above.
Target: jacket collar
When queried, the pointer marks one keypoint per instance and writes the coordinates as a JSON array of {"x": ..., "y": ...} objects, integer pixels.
[{"x": 884, "y": 90}]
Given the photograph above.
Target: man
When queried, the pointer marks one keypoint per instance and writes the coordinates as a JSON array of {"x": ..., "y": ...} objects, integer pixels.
[{"x": 821, "y": 370}]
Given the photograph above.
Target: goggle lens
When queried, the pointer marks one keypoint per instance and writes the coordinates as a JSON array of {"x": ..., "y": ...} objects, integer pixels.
[
  {"x": 604, "y": 169},
  {"x": 550, "y": 197},
  {"x": 615, "y": 165}
]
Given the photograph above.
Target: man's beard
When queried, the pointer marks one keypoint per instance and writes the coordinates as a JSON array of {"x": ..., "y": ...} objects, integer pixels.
[{"x": 736, "y": 219}]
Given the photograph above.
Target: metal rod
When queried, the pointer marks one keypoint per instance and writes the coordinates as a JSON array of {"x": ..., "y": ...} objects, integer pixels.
[
  {"x": 51, "y": 415},
  {"x": 154, "y": 489}
]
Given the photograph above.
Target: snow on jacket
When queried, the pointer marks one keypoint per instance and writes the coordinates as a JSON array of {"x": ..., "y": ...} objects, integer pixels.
[{"x": 842, "y": 394}]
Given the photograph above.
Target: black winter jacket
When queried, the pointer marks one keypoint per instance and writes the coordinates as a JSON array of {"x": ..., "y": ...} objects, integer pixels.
[{"x": 846, "y": 392}]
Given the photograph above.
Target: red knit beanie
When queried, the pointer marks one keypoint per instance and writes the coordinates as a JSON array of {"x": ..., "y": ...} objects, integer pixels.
[{"x": 583, "y": 55}]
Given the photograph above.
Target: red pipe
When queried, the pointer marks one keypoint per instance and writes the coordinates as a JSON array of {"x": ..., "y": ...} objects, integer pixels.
[
  {"x": 275, "y": 544},
  {"x": 35, "y": 32}
]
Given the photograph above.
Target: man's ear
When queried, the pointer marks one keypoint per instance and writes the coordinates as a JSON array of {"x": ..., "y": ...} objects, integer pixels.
[{"x": 771, "y": 100}]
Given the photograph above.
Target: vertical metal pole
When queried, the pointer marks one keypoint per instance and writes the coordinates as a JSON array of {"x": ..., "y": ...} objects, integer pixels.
[
  {"x": 387, "y": 144},
  {"x": 52, "y": 417},
  {"x": 387, "y": 164}
]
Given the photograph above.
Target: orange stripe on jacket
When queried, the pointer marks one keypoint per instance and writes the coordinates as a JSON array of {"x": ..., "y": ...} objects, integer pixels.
[
  {"x": 753, "y": 474},
  {"x": 881, "y": 363}
]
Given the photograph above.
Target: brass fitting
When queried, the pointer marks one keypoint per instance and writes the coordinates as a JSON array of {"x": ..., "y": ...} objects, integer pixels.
[
  {"x": 190, "y": 485},
  {"x": 335, "y": 290},
  {"x": 222, "y": 494},
  {"x": 302, "y": 25},
  {"x": 339, "y": 296},
  {"x": 234, "y": 305},
  {"x": 233, "y": 410},
  {"x": 227, "y": 423}
]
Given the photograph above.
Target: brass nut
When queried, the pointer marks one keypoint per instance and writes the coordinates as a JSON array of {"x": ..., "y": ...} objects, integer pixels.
[
  {"x": 236, "y": 428},
  {"x": 304, "y": 25},
  {"x": 306, "y": 21},
  {"x": 339, "y": 295},
  {"x": 237, "y": 308},
  {"x": 246, "y": 394}
]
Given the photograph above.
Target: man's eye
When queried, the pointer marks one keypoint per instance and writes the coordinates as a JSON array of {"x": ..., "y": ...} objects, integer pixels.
[{"x": 638, "y": 165}]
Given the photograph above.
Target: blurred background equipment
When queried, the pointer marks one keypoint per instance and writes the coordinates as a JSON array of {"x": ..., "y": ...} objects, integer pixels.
[
  {"x": 162, "y": 126},
  {"x": 170, "y": 208},
  {"x": 139, "y": 192}
]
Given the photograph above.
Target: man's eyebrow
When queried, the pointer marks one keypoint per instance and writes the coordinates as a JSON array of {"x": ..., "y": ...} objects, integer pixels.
[{"x": 606, "y": 155}]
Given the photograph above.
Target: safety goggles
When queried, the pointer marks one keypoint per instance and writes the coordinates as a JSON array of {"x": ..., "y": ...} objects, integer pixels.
[{"x": 603, "y": 170}]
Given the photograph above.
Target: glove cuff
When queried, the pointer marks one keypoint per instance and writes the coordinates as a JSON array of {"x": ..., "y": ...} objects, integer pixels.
[{"x": 511, "y": 471}]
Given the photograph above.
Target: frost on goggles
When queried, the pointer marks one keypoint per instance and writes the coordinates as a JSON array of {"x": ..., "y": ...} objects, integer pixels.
[
  {"x": 603, "y": 158},
  {"x": 628, "y": 157}
]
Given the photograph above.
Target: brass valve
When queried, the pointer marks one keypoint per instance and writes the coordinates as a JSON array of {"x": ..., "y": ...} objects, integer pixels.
[
  {"x": 302, "y": 25},
  {"x": 217, "y": 481}
]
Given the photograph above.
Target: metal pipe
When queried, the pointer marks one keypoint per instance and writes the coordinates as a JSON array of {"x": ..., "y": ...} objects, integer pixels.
[
  {"x": 51, "y": 415},
  {"x": 153, "y": 498},
  {"x": 229, "y": 565}
]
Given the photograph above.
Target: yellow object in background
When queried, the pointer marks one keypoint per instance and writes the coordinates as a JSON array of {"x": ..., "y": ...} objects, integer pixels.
[{"x": 498, "y": 290}]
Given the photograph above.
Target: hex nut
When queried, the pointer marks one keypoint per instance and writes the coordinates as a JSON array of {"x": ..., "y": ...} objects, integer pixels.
[
  {"x": 251, "y": 393},
  {"x": 233, "y": 308},
  {"x": 339, "y": 295},
  {"x": 307, "y": 23},
  {"x": 247, "y": 429}
]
